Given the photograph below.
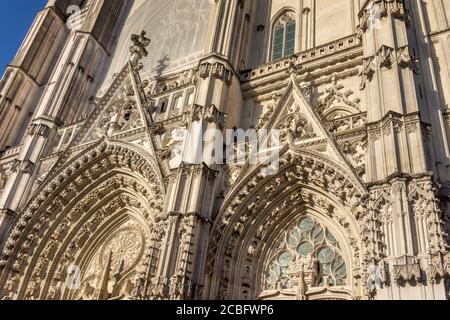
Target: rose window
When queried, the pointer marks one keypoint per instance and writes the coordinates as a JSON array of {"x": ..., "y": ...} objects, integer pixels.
[{"x": 125, "y": 248}]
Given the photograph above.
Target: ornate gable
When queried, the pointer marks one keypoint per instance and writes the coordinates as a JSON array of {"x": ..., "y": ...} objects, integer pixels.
[
  {"x": 301, "y": 127},
  {"x": 116, "y": 113},
  {"x": 120, "y": 114}
]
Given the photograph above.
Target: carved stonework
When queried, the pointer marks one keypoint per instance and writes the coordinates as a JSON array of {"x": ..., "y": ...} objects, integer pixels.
[
  {"x": 208, "y": 114},
  {"x": 335, "y": 97},
  {"x": 105, "y": 194},
  {"x": 295, "y": 128},
  {"x": 380, "y": 9},
  {"x": 24, "y": 167},
  {"x": 367, "y": 71},
  {"x": 3, "y": 180},
  {"x": 138, "y": 49},
  {"x": 310, "y": 258},
  {"x": 407, "y": 270},
  {"x": 216, "y": 70},
  {"x": 356, "y": 153},
  {"x": 39, "y": 129},
  {"x": 404, "y": 59},
  {"x": 107, "y": 276},
  {"x": 265, "y": 118}
]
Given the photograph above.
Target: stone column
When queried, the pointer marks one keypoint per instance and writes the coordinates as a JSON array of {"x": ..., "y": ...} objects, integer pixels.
[
  {"x": 398, "y": 159},
  {"x": 21, "y": 86}
]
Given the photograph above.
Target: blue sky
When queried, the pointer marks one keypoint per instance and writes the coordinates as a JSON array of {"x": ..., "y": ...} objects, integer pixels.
[{"x": 16, "y": 17}]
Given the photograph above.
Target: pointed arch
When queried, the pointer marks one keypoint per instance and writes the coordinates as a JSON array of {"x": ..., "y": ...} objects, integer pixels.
[
  {"x": 283, "y": 35},
  {"x": 258, "y": 210},
  {"x": 108, "y": 187},
  {"x": 297, "y": 120}
]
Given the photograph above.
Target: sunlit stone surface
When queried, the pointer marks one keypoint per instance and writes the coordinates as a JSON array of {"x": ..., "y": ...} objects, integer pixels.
[{"x": 109, "y": 189}]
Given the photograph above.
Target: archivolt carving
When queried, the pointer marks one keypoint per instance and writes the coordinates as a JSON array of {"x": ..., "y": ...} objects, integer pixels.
[
  {"x": 230, "y": 177},
  {"x": 256, "y": 208},
  {"x": 3, "y": 180},
  {"x": 75, "y": 204}
]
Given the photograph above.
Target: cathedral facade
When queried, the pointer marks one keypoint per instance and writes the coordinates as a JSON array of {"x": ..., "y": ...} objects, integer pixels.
[{"x": 109, "y": 189}]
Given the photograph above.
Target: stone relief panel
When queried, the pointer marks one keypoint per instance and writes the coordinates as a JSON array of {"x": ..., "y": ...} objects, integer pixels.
[
  {"x": 120, "y": 115},
  {"x": 296, "y": 127},
  {"x": 338, "y": 102}
]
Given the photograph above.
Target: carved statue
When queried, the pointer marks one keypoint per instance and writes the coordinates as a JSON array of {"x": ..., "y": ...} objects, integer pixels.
[
  {"x": 138, "y": 49},
  {"x": 3, "y": 179},
  {"x": 305, "y": 270},
  {"x": 366, "y": 73}
]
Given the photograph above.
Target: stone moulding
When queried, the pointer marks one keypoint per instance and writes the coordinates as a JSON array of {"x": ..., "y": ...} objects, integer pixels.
[{"x": 315, "y": 54}]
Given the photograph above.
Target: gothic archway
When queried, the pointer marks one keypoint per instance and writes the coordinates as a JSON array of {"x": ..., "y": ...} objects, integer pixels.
[
  {"x": 69, "y": 242},
  {"x": 256, "y": 218}
]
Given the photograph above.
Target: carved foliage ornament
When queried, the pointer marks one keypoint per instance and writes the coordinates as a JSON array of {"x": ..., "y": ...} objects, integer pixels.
[{"x": 336, "y": 96}]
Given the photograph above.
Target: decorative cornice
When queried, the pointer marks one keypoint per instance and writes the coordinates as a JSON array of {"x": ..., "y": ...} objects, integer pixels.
[{"x": 303, "y": 57}]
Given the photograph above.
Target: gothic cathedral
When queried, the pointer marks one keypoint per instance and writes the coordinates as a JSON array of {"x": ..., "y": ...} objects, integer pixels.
[{"x": 102, "y": 114}]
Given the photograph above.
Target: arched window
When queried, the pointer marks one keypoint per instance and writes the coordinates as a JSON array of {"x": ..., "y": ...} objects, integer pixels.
[
  {"x": 284, "y": 36},
  {"x": 308, "y": 247}
]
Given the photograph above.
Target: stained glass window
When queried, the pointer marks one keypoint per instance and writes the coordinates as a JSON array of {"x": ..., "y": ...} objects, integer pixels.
[
  {"x": 284, "y": 37},
  {"x": 278, "y": 43},
  {"x": 290, "y": 38},
  {"x": 307, "y": 238}
]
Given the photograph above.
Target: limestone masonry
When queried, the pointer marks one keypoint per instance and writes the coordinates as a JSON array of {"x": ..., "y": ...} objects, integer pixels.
[{"x": 106, "y": 100}]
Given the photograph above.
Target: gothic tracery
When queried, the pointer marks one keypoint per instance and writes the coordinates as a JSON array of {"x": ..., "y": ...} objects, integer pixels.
[{"x": 101, "y": 197}]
